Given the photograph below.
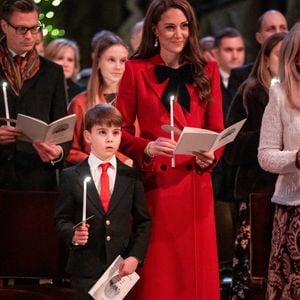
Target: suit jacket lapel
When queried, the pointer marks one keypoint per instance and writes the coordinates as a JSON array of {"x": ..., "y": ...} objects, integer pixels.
[
  {"x": 92, "y": 194},
  {"x": 27, "y": 84},
  {"x": 120, "y": 186}
]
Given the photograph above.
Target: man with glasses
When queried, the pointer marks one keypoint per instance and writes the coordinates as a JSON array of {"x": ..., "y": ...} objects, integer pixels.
[
  {"x": 22, "y": 30},
  {"x": 35, "y": 87}
]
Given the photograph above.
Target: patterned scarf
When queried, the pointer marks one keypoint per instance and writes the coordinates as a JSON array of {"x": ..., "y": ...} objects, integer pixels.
[{"x": 16, "y": 74}]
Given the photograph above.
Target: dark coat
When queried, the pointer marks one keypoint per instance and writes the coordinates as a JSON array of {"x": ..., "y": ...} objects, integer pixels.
[
  {"x": 44, "y": 97},
  {"x": 226, "y": 99},
  {"x": 124, "y": 229},
  {"x": 242, "y": 152},
  {"x": 73, "y": 89},
  {"x": 223, "y": 174},
  {"x": 237, "y": 77}
]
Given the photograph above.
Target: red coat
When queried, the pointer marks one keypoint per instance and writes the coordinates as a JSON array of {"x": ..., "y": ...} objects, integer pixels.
[{"x": 181, "y": 261}]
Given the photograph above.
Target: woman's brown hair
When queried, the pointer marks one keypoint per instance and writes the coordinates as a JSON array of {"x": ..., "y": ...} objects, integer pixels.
[
  {"x": 96, "y": 81},
  {"x": 191, "y": 53}
]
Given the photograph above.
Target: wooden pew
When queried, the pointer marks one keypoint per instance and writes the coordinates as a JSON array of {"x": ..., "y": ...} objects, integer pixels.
[
  {"x": 30, "y": 247},
  {"x": 261, "y": 222}
]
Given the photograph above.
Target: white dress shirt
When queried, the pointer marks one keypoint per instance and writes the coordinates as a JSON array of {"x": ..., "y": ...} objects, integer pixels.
[
  {"x": 96, "y": 171},
  {"x": 15, "y": 54},
  {"x": 225, "y": 77}
]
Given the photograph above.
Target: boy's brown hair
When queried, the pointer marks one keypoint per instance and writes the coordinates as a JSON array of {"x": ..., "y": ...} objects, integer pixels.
[{"x": 102, "y": 114}]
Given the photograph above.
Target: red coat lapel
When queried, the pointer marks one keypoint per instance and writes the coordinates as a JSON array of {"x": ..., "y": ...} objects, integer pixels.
[{"x": 159, "y": 88}]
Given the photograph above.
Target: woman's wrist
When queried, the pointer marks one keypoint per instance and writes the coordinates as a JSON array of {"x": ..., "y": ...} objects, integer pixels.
[{"x": 148, "y": 149}]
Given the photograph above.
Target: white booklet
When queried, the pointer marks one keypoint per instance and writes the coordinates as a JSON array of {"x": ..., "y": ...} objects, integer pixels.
[
  {"x": 197, "y": 139},
  {"x": 112, "y": 286},
  {"x": 57, "y": 132}
]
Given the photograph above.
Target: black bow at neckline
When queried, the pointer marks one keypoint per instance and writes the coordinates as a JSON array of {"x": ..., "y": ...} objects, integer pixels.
[{"x": 176, "y": 85}]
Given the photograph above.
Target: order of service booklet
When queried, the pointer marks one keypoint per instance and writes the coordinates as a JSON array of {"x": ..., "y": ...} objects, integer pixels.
[
  {"x": 112, "y": 286},
  {"x": 193, "y": 139},
  {"x": 57, "y": 132}
]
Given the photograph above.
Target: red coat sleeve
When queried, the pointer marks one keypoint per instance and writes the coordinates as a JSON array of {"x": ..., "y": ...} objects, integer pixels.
[
  {"x": 213, "y": 113},
  {"x": 79, "y": 149},
  {"x": 127, "y": 102}
]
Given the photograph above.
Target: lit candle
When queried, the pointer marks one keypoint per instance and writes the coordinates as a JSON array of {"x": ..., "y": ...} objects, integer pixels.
[
  {"x": 85, "y": 181},
  {"x": 172, "y": 125},
  {"x": 4, "y": 85}
]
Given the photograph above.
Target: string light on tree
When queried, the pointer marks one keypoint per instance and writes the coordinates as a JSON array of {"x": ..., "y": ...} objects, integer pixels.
[{"x": 48, "y": 10}]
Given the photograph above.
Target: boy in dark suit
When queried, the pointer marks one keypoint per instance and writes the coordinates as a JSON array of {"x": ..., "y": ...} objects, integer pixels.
[{"x": 121, "y": 224}]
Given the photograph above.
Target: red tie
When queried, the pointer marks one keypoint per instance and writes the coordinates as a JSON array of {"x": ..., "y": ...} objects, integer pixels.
[{"x": 104, "y": 186}]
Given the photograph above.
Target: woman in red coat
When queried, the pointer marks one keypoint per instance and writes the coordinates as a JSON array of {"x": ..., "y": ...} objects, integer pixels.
[{"x": 181, "y": 261}]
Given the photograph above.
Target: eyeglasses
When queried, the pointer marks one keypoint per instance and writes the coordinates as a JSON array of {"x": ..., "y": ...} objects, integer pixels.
[{"x": 22, "y": 30}]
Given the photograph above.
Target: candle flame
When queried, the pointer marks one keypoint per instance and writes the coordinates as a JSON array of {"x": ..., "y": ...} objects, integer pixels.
[
  {"x": 4, "y": 84},
  {"x": 171, "y": 98},
  {"x": 87, "y": 179}
]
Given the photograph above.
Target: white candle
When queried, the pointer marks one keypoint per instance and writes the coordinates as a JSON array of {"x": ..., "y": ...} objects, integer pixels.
[
  {"x": 172, "y": 125},
  {"x": 85, "y": 181},
  {"x": 4, "y": 85},
  {"x": 172, "y": 116}
]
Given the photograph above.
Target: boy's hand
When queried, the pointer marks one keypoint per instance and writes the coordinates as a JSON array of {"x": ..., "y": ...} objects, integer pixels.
[
  {"x": 128, "y": 266},
  {"x": 81, "y": 235}
]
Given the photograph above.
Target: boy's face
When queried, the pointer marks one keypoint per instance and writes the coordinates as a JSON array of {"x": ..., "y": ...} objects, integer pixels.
[{"x": 104, "y": 140}]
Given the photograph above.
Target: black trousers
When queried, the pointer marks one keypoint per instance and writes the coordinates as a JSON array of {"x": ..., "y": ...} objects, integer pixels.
[{"x": 81, "y": 286}]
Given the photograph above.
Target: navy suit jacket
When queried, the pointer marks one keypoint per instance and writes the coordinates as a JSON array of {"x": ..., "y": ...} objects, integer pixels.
[
  {"x": 227, "y": 99},
  {"x": 124, "y": 229}
]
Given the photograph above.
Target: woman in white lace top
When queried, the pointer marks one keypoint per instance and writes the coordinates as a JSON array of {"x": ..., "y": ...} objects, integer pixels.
[{"x": 279, "y": 153}]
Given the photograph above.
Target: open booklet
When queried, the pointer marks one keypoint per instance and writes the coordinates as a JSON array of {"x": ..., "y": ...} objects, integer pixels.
[
  {"x": 112, "y": 286},
  {"x": 57, "y": 132},
  {"x": 197, "y": 139}
]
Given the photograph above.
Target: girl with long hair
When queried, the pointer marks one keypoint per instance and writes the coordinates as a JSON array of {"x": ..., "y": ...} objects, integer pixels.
[
  {"x": 279, "y": 153},
  {"x": 250, "y": 103},
  {"x": 107, "y": 70}
]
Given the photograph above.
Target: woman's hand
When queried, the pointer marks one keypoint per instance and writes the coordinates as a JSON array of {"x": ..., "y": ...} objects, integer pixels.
[
  {"x": 161, "y": 146},
  {"x": 204, "y": 159}
]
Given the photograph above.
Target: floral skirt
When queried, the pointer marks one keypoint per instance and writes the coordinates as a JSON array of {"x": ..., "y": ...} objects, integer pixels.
[
  {"x": 241, "y": 270},
  {"x": 284, "y": 265}
]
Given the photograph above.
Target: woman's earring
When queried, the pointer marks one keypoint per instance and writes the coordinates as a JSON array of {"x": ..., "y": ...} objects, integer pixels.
[{"x": 156, "y": 43}]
